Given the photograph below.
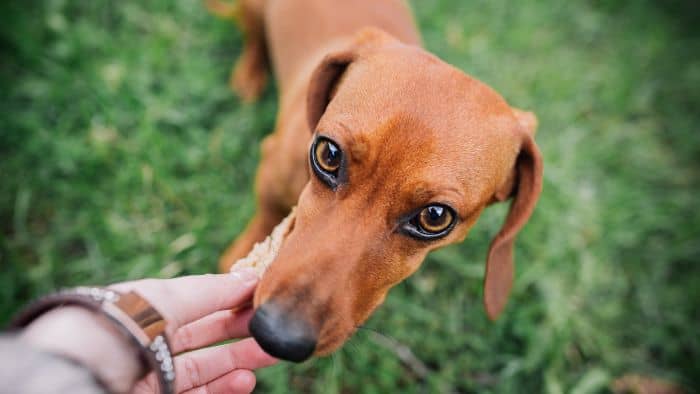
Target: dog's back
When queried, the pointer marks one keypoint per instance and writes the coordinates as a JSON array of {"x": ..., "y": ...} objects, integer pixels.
[{"x": 300, "y": 32}]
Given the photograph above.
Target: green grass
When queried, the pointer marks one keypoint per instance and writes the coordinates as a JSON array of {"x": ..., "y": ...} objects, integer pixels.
[{"x": 123, "y": 154}]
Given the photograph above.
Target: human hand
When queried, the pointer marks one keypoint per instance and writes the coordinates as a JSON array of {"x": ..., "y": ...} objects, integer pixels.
[{"x": 198, "y": 312}]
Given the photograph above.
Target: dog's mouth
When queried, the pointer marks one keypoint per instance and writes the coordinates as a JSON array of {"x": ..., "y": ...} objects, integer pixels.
[
  {"x": 293, "y": 320},
  {"x": 281, "y": 335}
]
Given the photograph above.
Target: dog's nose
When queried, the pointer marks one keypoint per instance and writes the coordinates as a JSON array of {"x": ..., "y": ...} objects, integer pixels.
[{"x": 282, "y": 335}]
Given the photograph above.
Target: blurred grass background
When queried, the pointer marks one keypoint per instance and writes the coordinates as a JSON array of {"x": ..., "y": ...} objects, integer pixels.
[{"x": 123, "y": 154}]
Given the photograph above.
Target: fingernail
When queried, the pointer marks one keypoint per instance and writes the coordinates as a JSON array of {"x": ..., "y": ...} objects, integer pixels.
[{"x": 247, "y": 276}]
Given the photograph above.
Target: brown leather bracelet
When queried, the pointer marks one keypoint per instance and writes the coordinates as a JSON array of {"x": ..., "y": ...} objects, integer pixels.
[{"x": 135, "y": 317}]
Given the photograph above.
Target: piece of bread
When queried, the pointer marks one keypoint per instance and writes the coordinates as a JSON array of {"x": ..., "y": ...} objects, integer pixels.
[{"x": 265, "y": 252}]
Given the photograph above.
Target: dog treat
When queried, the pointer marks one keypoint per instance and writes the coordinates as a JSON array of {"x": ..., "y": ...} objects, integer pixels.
[{"x": 265, "y": 252}]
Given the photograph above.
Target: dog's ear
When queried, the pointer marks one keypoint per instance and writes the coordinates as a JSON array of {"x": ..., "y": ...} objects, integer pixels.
[
  {"x": 327, "y": 76},
  {"x": 526, "y": 185},
  {"x": 324, "y": 81}
]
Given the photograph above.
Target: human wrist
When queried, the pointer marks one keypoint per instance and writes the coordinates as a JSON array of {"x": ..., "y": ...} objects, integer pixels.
[{"x": 90, "y": 339}]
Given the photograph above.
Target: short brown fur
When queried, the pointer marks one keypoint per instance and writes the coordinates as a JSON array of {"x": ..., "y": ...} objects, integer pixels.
[{"x": 414, "y": 130}]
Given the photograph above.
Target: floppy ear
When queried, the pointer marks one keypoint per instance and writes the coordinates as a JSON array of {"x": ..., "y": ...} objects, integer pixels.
[
  {"x": 528, "y": 185},
  {"x": 324, "y": 81},
  {"x": 328, "y": 74}
]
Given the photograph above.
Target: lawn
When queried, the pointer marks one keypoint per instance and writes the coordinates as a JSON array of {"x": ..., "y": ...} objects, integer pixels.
[{"x": 123, "y": 154}]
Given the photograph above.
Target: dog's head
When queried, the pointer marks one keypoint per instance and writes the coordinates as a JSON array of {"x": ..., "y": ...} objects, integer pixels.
[{"x": 406, "y": 153}]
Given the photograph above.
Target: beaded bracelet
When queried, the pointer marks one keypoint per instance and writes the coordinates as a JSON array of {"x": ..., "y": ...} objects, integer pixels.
[{"x": 135, "y": 317}]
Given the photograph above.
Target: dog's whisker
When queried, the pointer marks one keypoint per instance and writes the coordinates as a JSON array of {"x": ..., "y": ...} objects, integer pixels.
[
  {"x": 352, "y": 346},
  {"x": 400, "y": 350}
]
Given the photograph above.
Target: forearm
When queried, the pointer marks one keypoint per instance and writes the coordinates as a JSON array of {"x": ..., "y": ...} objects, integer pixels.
[
  {"x": 25, "y": 369},
  {"x": 90, "y": 340}
]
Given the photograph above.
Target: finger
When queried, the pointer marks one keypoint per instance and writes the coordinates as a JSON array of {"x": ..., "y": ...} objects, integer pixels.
[
  {"x": 186, "y": 299},
  {"x": 202, "y": 366},
  {"x": 217, "y": 327},
  {"x": 239, "y": 381}
]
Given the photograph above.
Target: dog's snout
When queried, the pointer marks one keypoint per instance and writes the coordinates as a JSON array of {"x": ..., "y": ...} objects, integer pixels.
[{"x": 281, "y": 334}]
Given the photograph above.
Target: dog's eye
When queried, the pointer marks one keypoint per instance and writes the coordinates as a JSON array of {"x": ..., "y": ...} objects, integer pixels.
[
  {"x": 328, "y": 155},
  {"x": 326, "y": 160},
  {"x": 433, "y": 221},
  {"x": 435, "y": 218}
]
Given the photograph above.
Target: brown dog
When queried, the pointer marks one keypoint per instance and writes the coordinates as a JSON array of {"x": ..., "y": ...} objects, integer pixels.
[{"x": 387, "y": 152}]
